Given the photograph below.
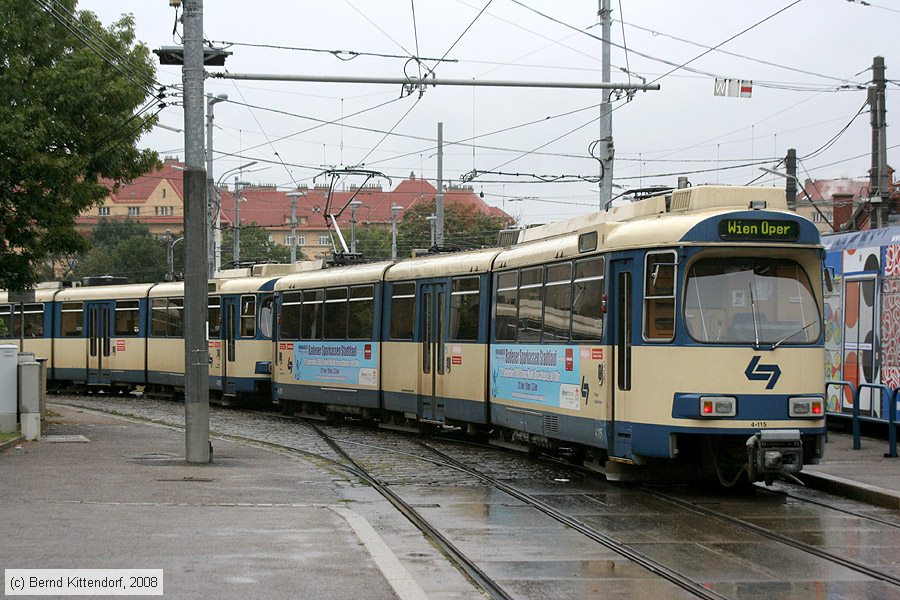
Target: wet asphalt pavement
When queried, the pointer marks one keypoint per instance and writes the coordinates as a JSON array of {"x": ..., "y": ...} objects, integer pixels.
[{"x": 531, "y": 555}]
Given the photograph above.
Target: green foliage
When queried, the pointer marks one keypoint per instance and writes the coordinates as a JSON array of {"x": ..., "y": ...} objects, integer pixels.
[
  {"x": 464, "y": 227},
  {"x": 127, "y": 249},
  {"x": 374, "y": 242},
  {"x": 255, "y": 246},
  {"x": 67, "y": 119}
]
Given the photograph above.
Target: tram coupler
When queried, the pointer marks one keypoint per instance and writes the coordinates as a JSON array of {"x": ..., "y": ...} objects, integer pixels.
[{"x": 773, "y": 453}]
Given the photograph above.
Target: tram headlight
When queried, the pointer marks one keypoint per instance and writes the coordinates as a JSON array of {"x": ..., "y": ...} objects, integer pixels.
[
  {"x": 809, "y": 407},
  {"x": 718, "y": 406}
]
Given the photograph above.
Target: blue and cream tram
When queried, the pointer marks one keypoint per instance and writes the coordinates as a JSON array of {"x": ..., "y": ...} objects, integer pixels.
[{"x": 683, "y": 326}]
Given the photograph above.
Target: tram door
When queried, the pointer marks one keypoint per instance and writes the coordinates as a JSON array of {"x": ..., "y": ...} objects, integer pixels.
[
  {"x": 231, "y": 321},
  {"x": 433, "y": 370},
  {"x": 860, "y": 355},
  {"x": 621, "y": 302},
  {"x": 99, "y": 317}
]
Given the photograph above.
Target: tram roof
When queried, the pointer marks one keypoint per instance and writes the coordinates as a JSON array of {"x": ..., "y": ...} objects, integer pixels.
[
  {"x": 349, "y": 275},
  {"x": 104, "y": 292},
  {"x": 658, "y": 221},
  {"x": 442, "y": 265},
  {"x": 241, "y": 285}
]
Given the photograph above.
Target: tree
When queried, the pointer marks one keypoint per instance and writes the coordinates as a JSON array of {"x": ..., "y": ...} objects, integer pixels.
[
  {"x": 373, "y": 242},
  {"x": 127, "y": 249},
  {"x": 464, "y": 227},
  {"x": 69, "y": 125},
  {"x": 255, "y": 246}
]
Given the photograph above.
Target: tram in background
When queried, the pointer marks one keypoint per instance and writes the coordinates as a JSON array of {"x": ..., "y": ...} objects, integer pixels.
[{"x": 862, "y": 320}]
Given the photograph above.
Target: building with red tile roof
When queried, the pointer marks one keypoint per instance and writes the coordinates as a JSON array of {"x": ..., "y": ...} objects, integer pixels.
[{"x": 157, "y": 200}]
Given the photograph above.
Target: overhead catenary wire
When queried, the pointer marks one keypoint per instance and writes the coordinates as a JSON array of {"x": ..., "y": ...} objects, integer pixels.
[{"x": 655, "y": 32}]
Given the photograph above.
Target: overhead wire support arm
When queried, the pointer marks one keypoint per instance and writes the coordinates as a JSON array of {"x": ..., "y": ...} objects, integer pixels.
[{"x": 434, "y": 81}]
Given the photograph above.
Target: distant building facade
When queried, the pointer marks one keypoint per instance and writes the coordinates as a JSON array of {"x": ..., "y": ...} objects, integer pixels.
[{"x": 157, "y": 199}]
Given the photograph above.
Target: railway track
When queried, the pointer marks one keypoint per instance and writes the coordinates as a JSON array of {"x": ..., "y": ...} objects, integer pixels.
[
  {"x": 774, "y": 535},
  {"x": 360, "y": 453}
]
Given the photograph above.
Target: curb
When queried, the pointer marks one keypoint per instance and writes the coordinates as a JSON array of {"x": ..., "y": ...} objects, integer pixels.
[
  {"x": 851, "y": 489},
  {"x": 12, "y": 443}
]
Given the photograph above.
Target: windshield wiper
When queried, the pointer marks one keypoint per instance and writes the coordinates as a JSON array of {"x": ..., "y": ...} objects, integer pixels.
[
  {"x": 786, "y": 338},
  {"x": 755, "y": 322}
]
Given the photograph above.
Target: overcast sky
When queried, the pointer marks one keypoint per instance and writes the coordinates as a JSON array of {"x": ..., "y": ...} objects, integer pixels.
[{"x": 798, "y": 60}]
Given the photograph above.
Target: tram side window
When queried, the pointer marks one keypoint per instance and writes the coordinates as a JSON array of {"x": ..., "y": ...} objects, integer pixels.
[
  {"x": 127, "y": 313},
  {"x": 214, "y": 317},
  {"x": 558, "y": 303},
  {"x": 464, "y": 303},
  {"x": 403, "y": 302},
  {"x": 71, "y": 323},
  {"x": 175, "y": 315},
  {"x": 311, "y": 325},
  {"x": 248, "y": 316},
  {"x": 266, "y": 314},
  {"x": 34, "y": 320},
  {"x": 531, "y": 304},
  {"x": 587, "y": 297},
  {"x": 158, "y": 317},
  {"x": 505, "y": 311},
  {"x": 5, "y": 321},
  {"x": 336, "y": 314},
  {"x": 290, "y": 316},
  {"x": 659, "y": 296},
  {"x": 362, "y": 311}
]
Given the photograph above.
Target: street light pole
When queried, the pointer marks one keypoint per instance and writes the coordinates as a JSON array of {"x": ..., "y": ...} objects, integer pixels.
[
  {"x": 353, "y": 206},
  {"x": 431, "y": 221},
  {"x": 236, "y": 225},
  {"x": 218, "y": 235},
  {"x": 395, "y": 210},
  {"x": 211, "y": 202},
  {"x": 293, "y": 196}
]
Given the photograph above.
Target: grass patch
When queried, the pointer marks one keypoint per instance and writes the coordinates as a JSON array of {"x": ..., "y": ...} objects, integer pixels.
[{"x": 5, "y": 437}]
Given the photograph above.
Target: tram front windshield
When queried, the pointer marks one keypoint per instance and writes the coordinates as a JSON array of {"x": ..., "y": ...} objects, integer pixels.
[{"x": 750, "y": 301}]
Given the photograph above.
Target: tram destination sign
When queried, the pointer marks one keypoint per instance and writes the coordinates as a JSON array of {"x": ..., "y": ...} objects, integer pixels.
[{"x": 758, "y": 230}]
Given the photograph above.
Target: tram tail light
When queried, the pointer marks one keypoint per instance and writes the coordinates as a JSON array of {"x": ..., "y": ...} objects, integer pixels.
[
  {"x": 806, "y": 407},
  {"x": 718, "y": 406}
]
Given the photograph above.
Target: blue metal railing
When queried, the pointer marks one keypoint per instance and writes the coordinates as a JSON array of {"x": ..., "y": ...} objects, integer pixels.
[{"x": 855, "y": 392}]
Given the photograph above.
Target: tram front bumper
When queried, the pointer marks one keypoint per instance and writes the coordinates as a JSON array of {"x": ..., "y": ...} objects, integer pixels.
[{"x": 775, "y": 452}]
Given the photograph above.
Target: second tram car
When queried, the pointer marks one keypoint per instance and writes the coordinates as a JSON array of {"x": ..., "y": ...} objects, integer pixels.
[{"x": 862, "y": 320}]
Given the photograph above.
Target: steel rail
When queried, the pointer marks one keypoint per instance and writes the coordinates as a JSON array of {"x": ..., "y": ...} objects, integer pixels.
[
  {"x": 616, "y": 546},
  {"x": 778, "y": 537}
]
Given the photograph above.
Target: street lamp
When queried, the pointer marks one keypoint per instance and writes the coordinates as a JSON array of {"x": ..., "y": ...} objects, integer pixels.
[
  {"x": 218, "y": 196},
  {"x": 293, "y": 196},
  {"x": 431, "y": 219},
  {"x": 395, "y": 211},
  {"x": 236, "y": 226},
  {"x": 353, "y": 206},
  {"x": 170, "y": 254},
  {"x": 210, "y": 185}
]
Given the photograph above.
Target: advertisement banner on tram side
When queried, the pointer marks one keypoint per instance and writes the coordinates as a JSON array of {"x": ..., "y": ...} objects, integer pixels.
[
  {"x": 543, "y": 375},
  {"x": 348, "y": 363}
]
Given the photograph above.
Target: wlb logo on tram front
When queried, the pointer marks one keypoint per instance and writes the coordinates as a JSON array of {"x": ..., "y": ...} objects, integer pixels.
[{"x": 758, "y": 372}]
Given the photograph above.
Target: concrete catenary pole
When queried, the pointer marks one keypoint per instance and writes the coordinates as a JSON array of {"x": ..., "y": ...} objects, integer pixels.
[
  {"x": 236, "y": 225},
  {"x": 196, "y": 353},
  {"x": 212, "y": 204},
  {"x": 293, "y": 196},
  {"x": 395, "y": 210},
  {"x": 353, "y": 206},
  {"x": 790, "y": 185},
  {"x": 878, "y": 191},
  {"x": 439, "y": 198},
  {"x": 606, "y": 151}
]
